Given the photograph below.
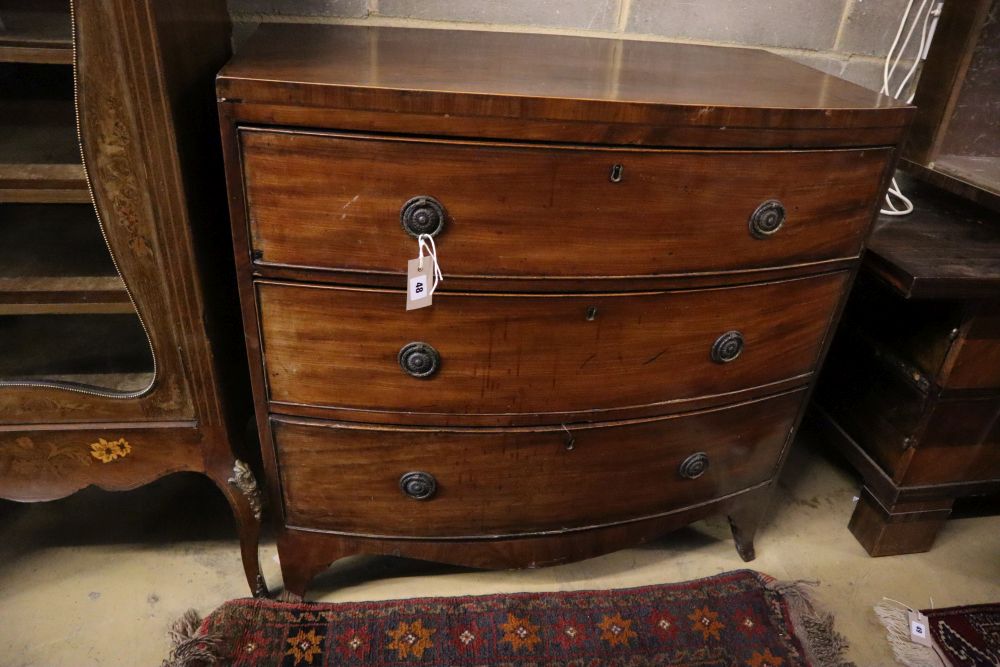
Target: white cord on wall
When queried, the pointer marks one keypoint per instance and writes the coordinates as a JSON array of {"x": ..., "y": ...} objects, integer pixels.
[{"x": 926, "y": 9}]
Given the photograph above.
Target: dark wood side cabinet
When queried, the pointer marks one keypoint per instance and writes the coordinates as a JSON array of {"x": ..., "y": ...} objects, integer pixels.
[
  {"x": 121, "y": 357},
  {"x": 911, "y": 392},
  {"x": 911, "y": 395},
  {"x": 645, "y": 247}
]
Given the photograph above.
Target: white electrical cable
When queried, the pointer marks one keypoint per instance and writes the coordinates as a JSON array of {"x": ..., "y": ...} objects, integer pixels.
[
  {"x": 916, "y": 61},
  {"x": 926, "y": 8},
  {"x": 926, "y": 34},
  {"x": 895, "y": 41},
  {"x": 887, "y": 72},
  {"x": 895, "y": 191},
  {"x": 902, "y": 48}
]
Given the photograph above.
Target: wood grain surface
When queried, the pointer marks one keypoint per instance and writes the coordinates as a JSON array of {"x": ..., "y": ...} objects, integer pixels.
[
  {"x": 578, "y": 313},
  {"x": 333, "y": 201},
  {"x": 608, "y": 90},
  {"x": 948, "y": 248},
  {"x": 345, "y": 477},
  {"x": 328, "y": 346},
  {"x": 145, "y": 72}
]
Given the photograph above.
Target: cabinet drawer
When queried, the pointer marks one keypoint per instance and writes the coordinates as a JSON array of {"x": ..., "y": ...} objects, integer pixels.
[
  {"x": 537, "y": 354},
  {"x": 333, "y": 201},
  {"x": 952, "y": 344},
  {"x": 353, "y": 478}
]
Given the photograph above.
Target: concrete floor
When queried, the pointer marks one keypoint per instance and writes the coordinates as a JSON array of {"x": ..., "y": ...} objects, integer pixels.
[{"x": 97, "y": 578}]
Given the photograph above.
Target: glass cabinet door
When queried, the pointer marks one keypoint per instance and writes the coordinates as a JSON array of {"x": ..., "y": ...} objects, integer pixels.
[{"x": 65, "y": 315}]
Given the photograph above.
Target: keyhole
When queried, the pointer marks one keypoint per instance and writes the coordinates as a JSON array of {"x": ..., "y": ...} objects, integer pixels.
[
  {"x": 616, "y": 173},
  {"x": 591, "y": 313}
]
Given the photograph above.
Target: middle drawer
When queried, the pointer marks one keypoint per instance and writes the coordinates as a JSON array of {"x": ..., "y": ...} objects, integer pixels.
[{"x": 556, "y": 357}]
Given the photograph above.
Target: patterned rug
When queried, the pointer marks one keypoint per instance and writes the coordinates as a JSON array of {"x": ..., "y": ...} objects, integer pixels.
[
  {"x": 737, "y": 618},
  {"x": 966, "y": 636}
]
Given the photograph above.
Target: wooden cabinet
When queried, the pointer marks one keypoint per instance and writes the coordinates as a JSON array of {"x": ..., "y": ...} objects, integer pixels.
[
  {"x": 118, "y": 314},
  {"x": 643, "y": 258},
  {"x": 911, "y": 395}
]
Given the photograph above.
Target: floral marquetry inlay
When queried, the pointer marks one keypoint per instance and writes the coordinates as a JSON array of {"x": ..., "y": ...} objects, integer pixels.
[{"x": 107, "y": 451}]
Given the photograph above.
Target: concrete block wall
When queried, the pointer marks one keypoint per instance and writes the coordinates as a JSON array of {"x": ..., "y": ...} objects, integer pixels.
[{"x": 848, "y": 38}]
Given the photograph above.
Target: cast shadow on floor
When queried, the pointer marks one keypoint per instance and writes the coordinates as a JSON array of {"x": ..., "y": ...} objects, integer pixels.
[
  {"x": 365, "y": 569},
  {"x": 188, "y": 508}
]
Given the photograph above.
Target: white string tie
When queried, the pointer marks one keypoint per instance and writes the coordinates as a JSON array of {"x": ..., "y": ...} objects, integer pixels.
[
  {"x": 425, "y": 242},
  {"x": 896, "y": 203}
]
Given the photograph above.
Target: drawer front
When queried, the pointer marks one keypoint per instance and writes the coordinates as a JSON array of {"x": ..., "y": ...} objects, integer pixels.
[
  {"x": 356, "y": 479},
  {"x": 973, "y": 362},
  {"x": 960, "y": 443},
  {"x": 953, "y": 344},
  {"x": 536, "y": 354},
  {"x": 334, "y": 202}
]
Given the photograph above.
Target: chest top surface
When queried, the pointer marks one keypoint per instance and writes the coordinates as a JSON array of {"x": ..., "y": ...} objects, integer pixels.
[{"x": 554, "y": 79}]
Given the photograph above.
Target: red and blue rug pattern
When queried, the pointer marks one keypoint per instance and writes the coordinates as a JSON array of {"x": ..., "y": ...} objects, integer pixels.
[{"x": 737, "y": 618}]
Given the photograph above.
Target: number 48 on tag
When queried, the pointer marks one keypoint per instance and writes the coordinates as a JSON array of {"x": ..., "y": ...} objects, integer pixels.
[{"x": 418, "y": 285}]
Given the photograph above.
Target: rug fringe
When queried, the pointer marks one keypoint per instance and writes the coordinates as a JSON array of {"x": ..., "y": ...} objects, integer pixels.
[
  {"x": 285, "y": 596},
  {"x": 897, "y": 631},
  {"x": 824, "y": 646},
  {"x": 191, "y": 647}
]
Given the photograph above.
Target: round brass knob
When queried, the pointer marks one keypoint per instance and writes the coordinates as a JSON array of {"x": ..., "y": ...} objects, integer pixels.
[
  {"x": 419, "y": 359},
  {"x": 422, "y": 215},
  {"x": 727, "y": 347},
  {"x": 767, "y": 219},
  {"x": 694, "y": 466},
  {"x": 418, "y": 485}
]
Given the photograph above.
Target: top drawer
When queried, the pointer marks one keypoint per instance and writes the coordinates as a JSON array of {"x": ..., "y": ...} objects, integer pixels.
[{"x": 332, "y": 201}]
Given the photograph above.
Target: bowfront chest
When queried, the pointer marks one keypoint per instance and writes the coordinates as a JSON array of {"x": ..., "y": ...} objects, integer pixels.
[{"x": 644, "y": 249}]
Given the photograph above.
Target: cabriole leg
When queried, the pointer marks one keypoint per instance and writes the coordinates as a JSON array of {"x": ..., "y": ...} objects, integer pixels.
[{"x": 246, "y": 501}]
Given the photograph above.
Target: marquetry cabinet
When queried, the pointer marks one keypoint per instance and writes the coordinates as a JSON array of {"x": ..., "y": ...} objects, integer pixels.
[
  {"x": 120, "y": 350},
  {"x": 644, "y": 249}
]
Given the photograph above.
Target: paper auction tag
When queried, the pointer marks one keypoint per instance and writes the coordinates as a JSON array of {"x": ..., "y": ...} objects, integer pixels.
[
  {"x": 919, "y": 630},
  {"x": 418, "y": 283},
  {"x": 423, "y": 273}
]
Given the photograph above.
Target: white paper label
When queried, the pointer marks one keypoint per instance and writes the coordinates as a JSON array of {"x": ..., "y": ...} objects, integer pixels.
[
  {"x": 418, "y": 288},
  {"x": 418, "y": 281},
  {"x": 918, "y": 628}
]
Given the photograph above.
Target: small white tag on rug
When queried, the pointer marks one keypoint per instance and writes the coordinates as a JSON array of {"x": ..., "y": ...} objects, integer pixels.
[
  {"x": 895, "y": 617},
  {"x": 919, "y": 632}
]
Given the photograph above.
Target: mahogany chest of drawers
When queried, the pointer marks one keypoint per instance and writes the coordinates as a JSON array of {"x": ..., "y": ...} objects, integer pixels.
[{"x": 645, "y": 248}]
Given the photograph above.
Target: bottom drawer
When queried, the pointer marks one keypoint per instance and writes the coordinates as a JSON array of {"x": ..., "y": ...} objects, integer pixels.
[{"x": 354, "y": 478}]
